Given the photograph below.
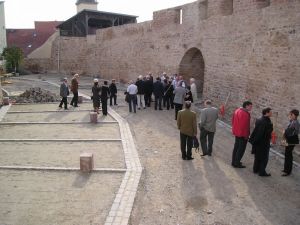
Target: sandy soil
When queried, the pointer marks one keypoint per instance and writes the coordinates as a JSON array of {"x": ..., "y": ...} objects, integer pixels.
[
  {"x": 206, "y": 190},
  {"x": 56, "y": 198},
  {"x": 60, "y": 131},
  {"x": 51, "y": 154}
]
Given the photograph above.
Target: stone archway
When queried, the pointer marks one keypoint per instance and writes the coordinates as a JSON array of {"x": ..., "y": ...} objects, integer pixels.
[{"x": 192, "y": 65}]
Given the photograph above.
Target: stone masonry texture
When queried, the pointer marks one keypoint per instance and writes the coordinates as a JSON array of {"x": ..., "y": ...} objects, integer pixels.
[{"x": 249, "y": 49}]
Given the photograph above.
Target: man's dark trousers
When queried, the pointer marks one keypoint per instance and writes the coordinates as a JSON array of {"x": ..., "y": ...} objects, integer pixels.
[
  {"x": 158, "y": 100},
  {"x": 288, "y": 162},
  {"x": 115, "y": 99},
  {"x": 75, "y": 99},
  {"x": 104, "y": 106},
  {"x": 132, "y": 103},
  {"x": 186, "y": 142},
  {"x": 63, "y": 100},
  {"x": 204, "y": 137},
  {"x": 178, "y": 107},
  {"x": 148, "y": 99},
  {"x": 238, "y": 150},
  {"x": 261, "y": 159}
]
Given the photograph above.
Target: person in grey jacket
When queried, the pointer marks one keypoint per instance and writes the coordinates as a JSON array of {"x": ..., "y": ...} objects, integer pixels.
[
  {"x": 64, "y": 92},
  {"x": 179, "y": 95},
  {"x": 207, "y": 126}
]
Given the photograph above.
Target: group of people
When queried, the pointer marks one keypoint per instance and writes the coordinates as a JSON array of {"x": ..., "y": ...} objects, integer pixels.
[
  {"x": 100, "y": 94},
  {"x": 259, "y": 138},
  {"x": 174, "y": 92},
  {"x": 168, "y": 91}
]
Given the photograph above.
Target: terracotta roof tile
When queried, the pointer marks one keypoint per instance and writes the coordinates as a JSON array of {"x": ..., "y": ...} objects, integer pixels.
[{"x": 30, "y": 39}]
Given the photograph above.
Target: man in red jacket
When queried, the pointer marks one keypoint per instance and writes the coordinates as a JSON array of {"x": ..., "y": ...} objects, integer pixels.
[{"x": 241, "y": 131}]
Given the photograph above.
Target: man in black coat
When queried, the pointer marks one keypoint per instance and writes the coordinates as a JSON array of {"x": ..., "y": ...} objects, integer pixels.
[
  {"x": 140, "y": 83},
  {"x": 260, "y": 140},
  {"x": 113, "y": 92},
  {"x": 148, "y": 90},
  {"x": 105, "y": 93},
  {"x": 158, "y": 91}
]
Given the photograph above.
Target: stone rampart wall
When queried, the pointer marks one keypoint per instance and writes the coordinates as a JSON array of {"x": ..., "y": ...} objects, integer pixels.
[{"x": 250, "y": 48}]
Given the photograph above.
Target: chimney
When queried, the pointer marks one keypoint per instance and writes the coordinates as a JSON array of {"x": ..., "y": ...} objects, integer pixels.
[{"x": 86, "y": 4}]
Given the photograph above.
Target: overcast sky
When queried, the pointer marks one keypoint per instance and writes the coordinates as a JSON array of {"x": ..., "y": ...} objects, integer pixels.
[{"x": 23, "y": 13}]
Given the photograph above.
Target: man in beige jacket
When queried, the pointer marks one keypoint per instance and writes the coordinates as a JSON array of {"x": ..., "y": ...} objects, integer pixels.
[{"x": 187, "y": 124}]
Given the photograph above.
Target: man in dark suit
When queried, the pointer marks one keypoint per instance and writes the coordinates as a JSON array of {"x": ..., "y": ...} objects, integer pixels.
[
  {"x": 105, "y": 94},
  {"x": 113, "y": 92},
  {"x": 158, "y": 91},
  {"x": 187, "y": 124},
  {"x": 260, "y": 140}
]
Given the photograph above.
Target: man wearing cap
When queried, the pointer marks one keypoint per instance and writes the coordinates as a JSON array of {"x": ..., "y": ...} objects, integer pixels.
[
  {"x": 74, "y": 89},
  {"x": 64, "y": 92}
]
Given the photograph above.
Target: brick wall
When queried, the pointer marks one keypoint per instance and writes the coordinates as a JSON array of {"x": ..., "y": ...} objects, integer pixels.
[{"x": 250, "y": 49}]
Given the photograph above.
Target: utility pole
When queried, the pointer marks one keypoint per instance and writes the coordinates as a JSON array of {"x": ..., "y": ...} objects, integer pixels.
[{"x": 58, "y": 56}]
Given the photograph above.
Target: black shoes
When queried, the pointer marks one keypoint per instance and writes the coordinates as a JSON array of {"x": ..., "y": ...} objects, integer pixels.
[
  {"x": 265, "y": 175},
  {"x": 238, "y": 166},
  {"x": 285, "y": 174},
  {"x": 187, "y": 158}
]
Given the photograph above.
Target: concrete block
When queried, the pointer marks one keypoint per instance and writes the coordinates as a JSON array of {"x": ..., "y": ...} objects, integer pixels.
[
  {"x": 86, "y": 162},
  {"x": 93, "y": 117},
  {"x": 80, "y": 99},
  {"x": 5, "y": 100}
]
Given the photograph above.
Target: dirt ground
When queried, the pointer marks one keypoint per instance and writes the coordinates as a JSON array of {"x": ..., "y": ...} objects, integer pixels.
[
  {"x": 204, "y": 191},
  {"x": 55, "y": 198}
]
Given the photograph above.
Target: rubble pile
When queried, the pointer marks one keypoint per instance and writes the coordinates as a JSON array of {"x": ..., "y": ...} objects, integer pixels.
[{"x": 36, "y": 95}]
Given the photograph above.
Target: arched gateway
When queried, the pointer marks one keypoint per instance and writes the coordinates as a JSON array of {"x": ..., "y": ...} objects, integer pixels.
[{"x": 192, "y": 65}]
